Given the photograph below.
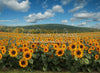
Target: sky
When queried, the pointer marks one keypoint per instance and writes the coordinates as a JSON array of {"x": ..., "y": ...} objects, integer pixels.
[{"x": 81, "y": 13}]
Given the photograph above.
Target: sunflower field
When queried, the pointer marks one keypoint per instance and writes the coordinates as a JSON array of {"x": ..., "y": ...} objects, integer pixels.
[{"x": 75, "y": 52}]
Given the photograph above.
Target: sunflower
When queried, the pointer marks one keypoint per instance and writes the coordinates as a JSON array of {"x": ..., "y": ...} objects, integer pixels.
[
  {"x": 3, "y": 51},
  {"x": 20, "y": 49},
  {"x": 55, "y": 46},
  {"x": 92, "y": 48},
  {"x": 96, "y": 57},
  {"x": 13, "y": 52},
  {"x": 78, "y": 53},
  {"x": 72, "y": 46},
  {"x": 27, "y": 55},
  {"x": 96, "y": 44},
  {"x": 0, "y": 56},
  {"x": 81, "y": 46},
  {"x": 63, "y": 46},
  {"x": 25, "y": 49},
  {"x": 45, "y": 49},
  {"x": 31, "y": 50},
  {"x": 2, "y": 47},
  {"x": 25, "y": 45},
  {"x": 98, "y": 49},
  {"x": 33, "y": 46},
  {"x": 23, "y": 63},
  {"x": 89, "y": 51},
  {"x": 90, "y": 43},
  {"x": 86, "y": 48},
  {"x": 59, "y": 52}
]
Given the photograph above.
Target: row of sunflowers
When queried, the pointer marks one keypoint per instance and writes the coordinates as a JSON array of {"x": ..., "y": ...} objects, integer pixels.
[{"x": 50, "y": 52}]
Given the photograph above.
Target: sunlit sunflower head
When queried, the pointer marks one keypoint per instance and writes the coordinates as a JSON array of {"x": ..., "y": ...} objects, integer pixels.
[
  {"x": 13, "y": 52},
  {"x": 96, "y": 44},
  {"x": 86, "y": 48},
  {"x": 2, "y": 47},
  {"x": 27, "y": 55},
  {"x": 3, "y": 51},
  {"x": 72, "y": 46},
  {"x": 78, "y": 53},
  {"x": 46, "y": 49},
  {"x": 25, "y": 45},
  {"x": 96, "y": 57},
  {"x": 21, "y": 49},
  {"x": 23, "y": 63},
  {"x": 25, "y": 49},
  {"x": 64, "y": 46},
  {"x": 55, "y": 46},
  {"x": 59, "y": 52},
  {"x": 0, "y": 56},
  {"x": 33, "y": 46},
  {"x": 92, "y": 48},
  {"x": 81, "y": 46},
  {"x": 31, "y": 50},
  {"x": 89, "y": 51},
  {"x": 98, "y": 49},
  {"x": 90, "y": 43}
]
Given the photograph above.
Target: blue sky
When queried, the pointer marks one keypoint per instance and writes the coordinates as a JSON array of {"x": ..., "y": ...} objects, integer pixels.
[{"x": 83, "y": 13}]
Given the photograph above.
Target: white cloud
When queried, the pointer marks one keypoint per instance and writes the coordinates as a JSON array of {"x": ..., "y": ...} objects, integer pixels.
[
  {"x": 97, "y": 17},
  {"x": 58, "y": 8},
  {"x": 64, "y": 21},
  {"x": 15, "y": 20},
  {"x": 16, "y": 5},
  {"x": 95, "y": 26},
  {"x": 33, "y": 18},
  {"x": 64, "y": 2},
  {"x": 76, "y": 9},
  {"x": 82, "y": 16},
  {"x": 78, "y": 5},
  {"x": 82, "y": 24}
]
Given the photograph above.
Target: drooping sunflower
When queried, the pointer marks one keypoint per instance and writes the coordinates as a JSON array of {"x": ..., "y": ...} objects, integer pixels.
[
  {"x": 72, "y": 46},
  {"x": 96, "y": 57},
  {"x": 59, "y": 52},
  {"x": 81, "y": 46},
  {"x": 23, "y": 63},
  {"x": 13, "y": 52},
  {"x": 45, "y": 49},
  {"x": 0, "y": 56},
  {"x": 27, "y": 55},
  {"x": 78, "y": 53}
]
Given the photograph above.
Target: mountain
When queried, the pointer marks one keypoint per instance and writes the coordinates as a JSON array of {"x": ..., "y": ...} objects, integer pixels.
[{"x": 49, "y": 28}]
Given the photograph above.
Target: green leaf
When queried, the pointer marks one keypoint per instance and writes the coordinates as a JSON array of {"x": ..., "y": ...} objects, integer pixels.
[
  {"x": 44, "y": 69},
  {"x": 86, "y": 61},
  {"x": 31, "y": 61},
  {"x": 75, "y": 58},
  {"x": 34, "y": 56},
  {"x": 59, "y": 69}
]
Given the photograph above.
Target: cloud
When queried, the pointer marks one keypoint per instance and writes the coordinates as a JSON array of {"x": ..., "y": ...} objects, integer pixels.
[
  {"x": 64, "y": 21},
  {"x": 16, "y": 5},
  {"x": 96, "y": 25},
  {"x": 15, "y": 20},
  {"x": 82, "y": 16},
  {"x": 79, "y": 4},
  {"x": 76, "y": 9},
  {"x": 58, "y": 8},
  {"x": 64, "y": 2},
  {"x": 44, "y": 5},
  {"x": 33, "y": 18},
  {"x": 82, "y": 24},
  {"x": 97, "y": 17}
]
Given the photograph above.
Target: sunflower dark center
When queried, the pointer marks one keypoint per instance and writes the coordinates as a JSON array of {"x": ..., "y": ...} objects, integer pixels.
[
  {"x": 60, "y": 52},
  {"x": 81, "y": 46},
  {"x": 32, "y": 45},
  {"x": 55, "y": 46},
  {"x": 13, "y": 52},
  {"x": 24, "y": 45},
  {"x": 23, "y": 62},
  {"x": 78, "y": 52},
  {"x": 45, "y": 49},
  {"x": 27, "y": 55},
  {"x": 73, "y": 46}
]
